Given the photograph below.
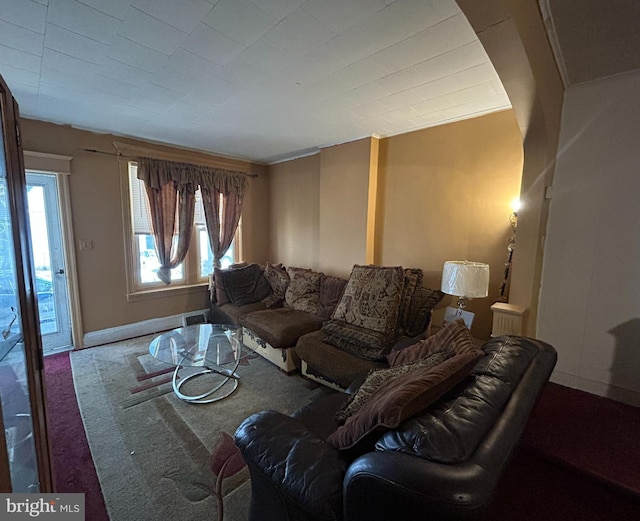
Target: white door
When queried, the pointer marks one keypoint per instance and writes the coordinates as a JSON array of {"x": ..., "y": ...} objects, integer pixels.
[{"x": 48, "y": 254}]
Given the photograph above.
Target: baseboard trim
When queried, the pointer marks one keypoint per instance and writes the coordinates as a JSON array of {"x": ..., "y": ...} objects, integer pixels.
[
  {"x": 126, "y": 331},
  {"x": 614, "y": 392}
]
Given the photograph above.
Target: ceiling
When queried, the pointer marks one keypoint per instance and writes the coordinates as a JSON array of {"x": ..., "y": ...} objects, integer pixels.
[
  {"x": 262, "y": 80},
  {"x": 268, "y": 80}
]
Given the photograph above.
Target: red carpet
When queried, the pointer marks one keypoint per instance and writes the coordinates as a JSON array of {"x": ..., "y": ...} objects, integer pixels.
[
  {"x": 73, "y": 469},
  {"x": 597, "y": 436}
]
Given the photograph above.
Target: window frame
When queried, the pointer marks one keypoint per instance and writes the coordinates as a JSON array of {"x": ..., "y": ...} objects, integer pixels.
[{"x": 136, "y": 289}]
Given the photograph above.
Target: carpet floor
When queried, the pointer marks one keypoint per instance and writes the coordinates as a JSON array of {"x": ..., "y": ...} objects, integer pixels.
[
  {"x": 151, "y": 450},
  {"x": 577, "y": 459}
]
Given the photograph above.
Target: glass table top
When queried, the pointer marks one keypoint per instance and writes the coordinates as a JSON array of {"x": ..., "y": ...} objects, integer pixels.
[{"x": 199, "y": 345}]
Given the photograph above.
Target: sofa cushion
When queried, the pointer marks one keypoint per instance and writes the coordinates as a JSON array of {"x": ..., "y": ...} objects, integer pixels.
[
  {"x": 281, "y": 327},
  {"x": 245, "y": 285},
  {"x": 363, "y": 343},
  {"x": 402, "y": 397},
  {"x": 331, "y": 289},
  {"x": 230, "y": 314},
  {"x": 331, "y": 363},
  {"x": 453, "y": 336},
  {"x": 303, "y": 291},
  {"x": 371, "y": 298},
  {"x": 451, "y": 429}
]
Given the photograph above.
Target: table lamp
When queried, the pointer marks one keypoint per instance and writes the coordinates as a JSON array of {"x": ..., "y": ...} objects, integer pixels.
[{"x": 465, "y": 280}]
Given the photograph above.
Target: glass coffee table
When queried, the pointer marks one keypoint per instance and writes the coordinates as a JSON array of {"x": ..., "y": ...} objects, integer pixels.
[{"x": 215, "y": 348}]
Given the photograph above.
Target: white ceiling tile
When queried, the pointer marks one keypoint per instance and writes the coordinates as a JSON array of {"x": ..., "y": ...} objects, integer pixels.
[
  {"x": 433, "y": 105},
  {"x": 115, "y": 8},
  {"x": 400, "y": 114},
  {"x": 266, "y": 54},
  {"x": 65, "y": 64},
  {"x": 278, "y": 8},
  {"x": 240, "y": 20},
  {"x": 138, "y": 56},
  {"x": 453, "y": 61},
  {"x": 151, "y": 32},
  {"x": 82, "y": 19},
  {"x": 484, "y": 90},
  {"x": 367, "y": 110},
  {"x": 428, "y": 120},
  {"x": 476, "y": 107},
  {"x": 401, "y": 80},
  {"x": 366, "y": 93},
  {"x": 437, "y": 88},
  {"x": 429, "y": 43},
  {"x": 20, "y": 78},
  {"x": 24, "y": 13},
  {"x": 338, "y": 15},
  {"x": 76, "y": 45},
  {"x": 401, "y": 99},
  {"x": 20, "y": 38},
  {"x": 300, "y": 32},
  {"x": 479, "y": 74},
  {"x": 212, "y": 45},
  {"x": 241, "y": 73},
  {"x": 184, "y": 15}
]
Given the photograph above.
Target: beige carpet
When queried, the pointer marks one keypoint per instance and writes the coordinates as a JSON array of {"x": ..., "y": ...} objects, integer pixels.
[{"x": 152, "y": 450}]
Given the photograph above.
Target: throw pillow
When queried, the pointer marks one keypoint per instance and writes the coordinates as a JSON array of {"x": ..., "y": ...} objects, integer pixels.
[
  {"x": 303, "y": 291},
  {"x": 412, "y": 281},
  {"x": 331, "y": 289},
  {"x": 378, "y": 377},
  {"x": 402, "y": 397},
  {"x": 454, "y": 336},
  {"x": 419, "y": 315},
  {"x": 245, "y": 285},
  {"x": 221, "y": 293},
  {"x": 277, "y": 278},
  {"x": 371, "y": 298}
]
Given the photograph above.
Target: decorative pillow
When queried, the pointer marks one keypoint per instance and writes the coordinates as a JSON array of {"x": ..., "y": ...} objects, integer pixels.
[
  {"x": 453, "y": 336},
  {"x": 245, "y": 285},
  {"x": 221, "y": 293},
  {"x": 361, "y": 342},
  {"x": 412, "y": 281},
  {"x": 303, "y": 292},
  {"x": 402, "y": 397},
  {"x": 424, "y": 300},
  {"x": 277, "y": 278},
  {"x": 378, "y": 377},
  {"x": 371, "y": 299},
  {"x": 331, "y": 289}
]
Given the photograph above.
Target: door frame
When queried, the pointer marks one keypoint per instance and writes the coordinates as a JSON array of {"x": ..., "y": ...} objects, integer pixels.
[{"x": 60, "y": 166}]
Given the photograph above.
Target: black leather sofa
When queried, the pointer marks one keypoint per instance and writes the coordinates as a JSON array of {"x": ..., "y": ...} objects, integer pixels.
[{"x": 442, "y": 463}]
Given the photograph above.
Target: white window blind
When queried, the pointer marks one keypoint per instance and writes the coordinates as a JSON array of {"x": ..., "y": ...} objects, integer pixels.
[{"x": 140, "y": 213}]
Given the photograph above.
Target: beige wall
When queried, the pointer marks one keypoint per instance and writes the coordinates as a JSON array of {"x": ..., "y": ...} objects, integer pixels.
[
  {"x": 97, "y": 216},
  {"x": 294, "y": 203},
  {"x": 344, "y": 189},
  {"x": 442, "y": 193},
  {"x": 446, "y": 194}
]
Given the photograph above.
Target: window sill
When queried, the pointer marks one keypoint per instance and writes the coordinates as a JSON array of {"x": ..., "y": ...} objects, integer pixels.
[{"x": 142, "y": 295}]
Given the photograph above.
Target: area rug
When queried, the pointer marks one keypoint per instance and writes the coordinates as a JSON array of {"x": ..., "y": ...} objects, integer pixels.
[{"x": 152, "y": 451}]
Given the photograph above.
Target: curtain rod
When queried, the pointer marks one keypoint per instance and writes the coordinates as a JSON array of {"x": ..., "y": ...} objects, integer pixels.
[{"x": 117, "y": 154}]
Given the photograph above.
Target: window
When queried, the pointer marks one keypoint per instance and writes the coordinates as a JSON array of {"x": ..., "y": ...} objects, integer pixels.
[{"x": 199, "y": 260}]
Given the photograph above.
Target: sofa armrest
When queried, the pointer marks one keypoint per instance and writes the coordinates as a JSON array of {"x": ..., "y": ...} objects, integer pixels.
[
  {"x": 389, "y": 486},
  {"x": 301, "y": 467}
]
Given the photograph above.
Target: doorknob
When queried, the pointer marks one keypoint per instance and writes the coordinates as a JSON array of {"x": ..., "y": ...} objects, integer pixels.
[{"x": 60, "y": 272}]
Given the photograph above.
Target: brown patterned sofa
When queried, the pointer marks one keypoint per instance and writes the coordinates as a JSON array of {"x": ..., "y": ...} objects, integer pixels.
[{"x": 339, "y": 328}]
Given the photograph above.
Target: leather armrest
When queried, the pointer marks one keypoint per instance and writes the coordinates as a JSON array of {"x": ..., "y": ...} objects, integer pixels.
[
  {"x": 303, "y": 467},
  {"x": 389, "y": 486}
]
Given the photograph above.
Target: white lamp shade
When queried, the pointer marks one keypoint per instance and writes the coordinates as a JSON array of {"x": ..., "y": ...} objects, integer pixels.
[{"x": 465, "y": 279}]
